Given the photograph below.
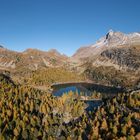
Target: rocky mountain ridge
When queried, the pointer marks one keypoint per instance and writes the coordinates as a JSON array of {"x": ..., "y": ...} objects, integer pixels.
[
  {"x": 30, "y": 58},
  {"x": 35, "y": 58},
  {"x": 111, "y": 39},
  {"x": 116, "y": 55},
  {"x": 113, "y": 59}
]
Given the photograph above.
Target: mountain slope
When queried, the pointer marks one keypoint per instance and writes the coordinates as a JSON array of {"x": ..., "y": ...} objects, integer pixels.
[
  {"x": 30, "y": 59},
  {"x": 114, "y": 59},
  {"x": 21, "y": 65},
  {"x": 111, "y": 39}
]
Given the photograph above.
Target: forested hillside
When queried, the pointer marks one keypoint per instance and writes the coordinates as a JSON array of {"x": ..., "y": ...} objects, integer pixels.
[
  {"x": 27, "y": 113},
  {"x": 52, "y": 75}
]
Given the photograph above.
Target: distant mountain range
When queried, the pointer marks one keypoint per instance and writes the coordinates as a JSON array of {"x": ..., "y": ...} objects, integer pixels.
[
  {"x": 114, "y": 56},
  {"x": 114, "y": 49},
  {"x": 110, "y": 40},
  {"x": 113, "y": 59},
  {"x": 32, "y": 59}
]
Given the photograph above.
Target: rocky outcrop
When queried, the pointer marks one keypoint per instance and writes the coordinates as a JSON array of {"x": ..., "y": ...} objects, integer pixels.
[{"x": 124, "y": 57}]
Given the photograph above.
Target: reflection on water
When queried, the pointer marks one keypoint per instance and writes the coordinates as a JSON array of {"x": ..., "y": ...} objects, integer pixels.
[
  {"x": 89, "y": 86},
  {"x": 91, "y": 104},
  {"x": 74, "y": 89},
  {"x": 86, "y": 89}
]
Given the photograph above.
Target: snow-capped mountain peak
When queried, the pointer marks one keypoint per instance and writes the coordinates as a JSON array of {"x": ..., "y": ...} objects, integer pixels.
[
  {"x": 110, "y": 33},
  {"x": 111, "y": 39}
]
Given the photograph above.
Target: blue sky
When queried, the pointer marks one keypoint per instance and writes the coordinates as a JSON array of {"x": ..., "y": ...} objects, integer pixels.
[{"x": 64, "y": 25}]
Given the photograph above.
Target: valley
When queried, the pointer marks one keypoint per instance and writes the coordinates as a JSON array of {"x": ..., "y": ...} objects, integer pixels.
[{"x": 92, "y": 95}]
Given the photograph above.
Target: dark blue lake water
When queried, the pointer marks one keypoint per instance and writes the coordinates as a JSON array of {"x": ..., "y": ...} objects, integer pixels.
[
  {"x": 74, "y": 89},
  {"x": 91, "y": 104}
]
